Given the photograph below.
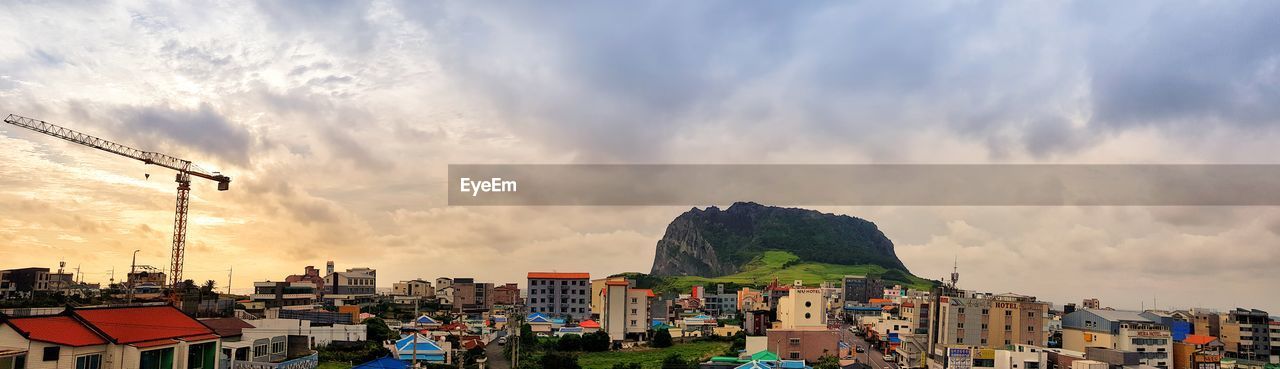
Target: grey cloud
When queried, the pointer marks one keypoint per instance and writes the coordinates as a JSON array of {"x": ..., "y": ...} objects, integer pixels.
[
  {"x": 203, "y": 130},
  {"x": 341, "y": 25}
]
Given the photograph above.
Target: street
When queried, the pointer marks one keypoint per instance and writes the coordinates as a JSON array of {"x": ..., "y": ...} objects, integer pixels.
[
  {"x": 493, "y": 354},
  {"x": 870, "y": 356}
]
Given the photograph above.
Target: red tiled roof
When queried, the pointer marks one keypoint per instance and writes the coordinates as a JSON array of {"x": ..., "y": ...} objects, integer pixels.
[
  {"x": 554, "y": 275},
  {"x": 1196, "y": 339},
  {"x": 139, "y": 324},
  {"x": 647, "y": 292},
  {"x": 155, "y": 343},
  {"x": 199, "y": 338},
  {"x": 589, "y": 324},
  {"x": 616, "y": 283},
  {"x": 62, "y": 330}
]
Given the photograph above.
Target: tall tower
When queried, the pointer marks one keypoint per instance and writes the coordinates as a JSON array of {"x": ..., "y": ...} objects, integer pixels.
[
  {"x": 328, "y": 267},
  {"x": 955, "y": 271}
]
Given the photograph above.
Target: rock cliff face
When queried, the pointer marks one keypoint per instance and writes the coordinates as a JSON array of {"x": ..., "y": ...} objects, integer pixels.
[{"x": 714, "y": 242}]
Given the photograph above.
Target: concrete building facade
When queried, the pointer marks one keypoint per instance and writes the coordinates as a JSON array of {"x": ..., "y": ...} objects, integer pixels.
[{"x": 560, "y": 294}]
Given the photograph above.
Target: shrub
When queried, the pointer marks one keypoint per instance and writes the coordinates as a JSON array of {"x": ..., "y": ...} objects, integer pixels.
[{"x": 661, "y": 338}]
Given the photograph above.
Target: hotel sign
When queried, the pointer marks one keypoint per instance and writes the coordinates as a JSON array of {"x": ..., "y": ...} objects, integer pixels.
[{"x": 1151, "y": 333}]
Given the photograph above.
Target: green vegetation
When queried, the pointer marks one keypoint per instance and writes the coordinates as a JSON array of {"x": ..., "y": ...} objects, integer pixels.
[
  {"x": 787, "y": 267},
  {"x": 348, "y": 355},
  {"x": 652, "y": 358},
  {"x": 333, "y": 365}
]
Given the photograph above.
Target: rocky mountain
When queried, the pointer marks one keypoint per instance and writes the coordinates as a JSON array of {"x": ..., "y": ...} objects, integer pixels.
[{"x": 712, "y": 242}]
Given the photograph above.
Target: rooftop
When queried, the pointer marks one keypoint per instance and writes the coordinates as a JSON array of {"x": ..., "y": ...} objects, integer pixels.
[{"x": 557, "y": 275}]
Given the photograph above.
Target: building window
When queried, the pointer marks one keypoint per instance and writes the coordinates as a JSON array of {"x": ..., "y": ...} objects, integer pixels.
[
  {"x": 1008, "y": 313},
  {"x": 51, "y": 353},
  {"x": 93, "y": 361},
  {"x": 795, "y": 355},
  {"x": 277, "y": 347},
  {"x": 794, "y": 341},
  {"x": 156, "y": 359},
  {"x": 259, "y": 351}
]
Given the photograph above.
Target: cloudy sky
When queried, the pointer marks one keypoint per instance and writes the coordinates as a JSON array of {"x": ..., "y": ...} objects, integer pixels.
[{"x": 337, "y": 120}]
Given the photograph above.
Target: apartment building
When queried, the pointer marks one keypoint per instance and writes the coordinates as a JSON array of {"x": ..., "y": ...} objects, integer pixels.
[
  {"x": 1126, "y": 331},
  {"x": 560, "y": 294},
  {"x": 507, "y": 294},
  {"x": 444, "y": 290},
  {"x": 311, "y": 275},
  {"x": 353, "y": 282},
  {"x": 986, "y": 320},
  {"x": 720, "y": 303},
  {"x": 859, "y": 289},
  {"x": 298, "y": 295},
  {"x": 625, "y": 311},
  {"x": 802, "y": 308},
  {"x": 1247, "y": 334},
  {"x": 471, "y": 296},
  {"x": 413, "y": 287}
]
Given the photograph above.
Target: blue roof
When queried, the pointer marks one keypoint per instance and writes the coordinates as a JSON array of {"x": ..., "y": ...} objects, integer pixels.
[
  {"x": 793, "y": 364},
  {"x": 557, "y": 321},
  {"x": 894, "y": 339},
  {"x": 538, "y": 318},
  {"x": 571, "y": 330},
  {"x": 426, "y": 320},
  {"x": 383, "y": 363},
  {"x": 425, "y": 346}
]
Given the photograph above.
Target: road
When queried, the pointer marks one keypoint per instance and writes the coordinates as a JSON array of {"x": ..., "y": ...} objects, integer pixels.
[
  {"x": 493, "y": 354},
  {"x": 871, "y": 356}
]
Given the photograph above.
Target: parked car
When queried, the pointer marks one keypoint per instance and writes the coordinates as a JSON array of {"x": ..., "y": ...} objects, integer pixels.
[
  {"x": 502, "y": 340},
  {"x": 860, "y": 350},
  {"x": 888, "y": 358}
]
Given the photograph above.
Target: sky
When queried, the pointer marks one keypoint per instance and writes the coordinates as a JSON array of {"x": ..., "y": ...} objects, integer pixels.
[{"x": 337, "y": 119}]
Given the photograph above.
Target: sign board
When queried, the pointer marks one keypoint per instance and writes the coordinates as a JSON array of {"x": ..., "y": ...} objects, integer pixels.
[{"x": 959, "y": 358}]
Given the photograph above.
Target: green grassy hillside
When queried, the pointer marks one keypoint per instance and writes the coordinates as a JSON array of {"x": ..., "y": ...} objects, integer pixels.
[{"x": 787, "y": 267}]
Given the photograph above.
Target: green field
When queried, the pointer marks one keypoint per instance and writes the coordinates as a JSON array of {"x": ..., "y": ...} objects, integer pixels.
[
  {"x": 786, "y": 267},
  {"x": 651, "y": 358}
]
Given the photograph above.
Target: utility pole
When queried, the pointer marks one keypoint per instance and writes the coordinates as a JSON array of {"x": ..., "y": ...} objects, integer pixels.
[{"x": 229, "y": 271}]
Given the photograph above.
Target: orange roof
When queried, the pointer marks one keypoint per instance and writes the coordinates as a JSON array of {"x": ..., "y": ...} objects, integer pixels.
[
  {"x": 1196, "y": 339},
  {"x": 616, "y": 283},
  {"x": 62, "y": 330},
  {"x": 878, "y": 301},
  {"x": 589, "y": 324},
  {"x": 143, "y": 324},
  {"x": 555, "y": 275},
  {"x": 647, "y": 292}
]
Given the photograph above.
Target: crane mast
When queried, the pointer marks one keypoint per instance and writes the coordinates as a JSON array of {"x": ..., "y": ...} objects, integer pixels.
[{"x": 185, "y": 170}]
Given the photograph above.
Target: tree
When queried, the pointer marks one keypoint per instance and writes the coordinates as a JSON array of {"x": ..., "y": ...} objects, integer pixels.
[
  {"x": 558, "y": 360},
  {"x": 377, "y": 330},
  {"x": 661, "y": 338},
  {"x": 674, "y": 361},
  {"x": 570, "y": 342},
  {"x": 596, "y": 341},
  {"x": 626, "y": 366},
  {"x": 827, "y": 362},
  {"x": 527, "y": 339}
]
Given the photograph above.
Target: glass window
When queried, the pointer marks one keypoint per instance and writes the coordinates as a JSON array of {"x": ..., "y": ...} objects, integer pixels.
[
  {"x": 156, "y": 359},
  {"x": 51, "y": 353},
  {"x": 93, "y": 361}
]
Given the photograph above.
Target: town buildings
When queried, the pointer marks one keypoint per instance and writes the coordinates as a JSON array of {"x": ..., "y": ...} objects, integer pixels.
[
  {"x": 311, "y": 275},
  {"x": 506, "y": 294},
  {"x": 144, "y": 337},
  {"x": 444, "y": 290},
  {"x": 625, "y": 310},
  {"x": 413, "y": 287},
  {"x": 470, "y": 296},
  {"x": 861, "y": 289},
  {"x": 354, "y": 281},
  {"x": 720, "y": 303},
  {"x": 1126, "y": 331},
  {"x": 986, "y": 320},
  {"x": 288, "y": 295},
  {"x": 560, "y": 294}
]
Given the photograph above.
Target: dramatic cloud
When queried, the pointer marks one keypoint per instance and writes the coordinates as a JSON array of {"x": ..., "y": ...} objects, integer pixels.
[{"x": 337, "y": 119}]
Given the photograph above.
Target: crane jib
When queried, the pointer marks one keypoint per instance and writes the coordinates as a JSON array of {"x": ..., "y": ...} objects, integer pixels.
[{"x": 184, "y": 168}]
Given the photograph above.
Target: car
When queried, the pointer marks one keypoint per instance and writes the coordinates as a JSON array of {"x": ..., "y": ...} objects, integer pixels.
[
  {"x": 888, "y": 358},
  {"x": 502, "y": 340},
  {"x": 860, "y": 350}
]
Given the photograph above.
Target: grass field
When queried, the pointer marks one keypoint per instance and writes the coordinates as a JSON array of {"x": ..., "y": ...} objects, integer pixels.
[
  {"x": 651, "y": 358},
  {"x": 785, "y": 266}
]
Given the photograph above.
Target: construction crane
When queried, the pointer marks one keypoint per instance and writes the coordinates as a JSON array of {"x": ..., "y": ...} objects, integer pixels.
[{"x": 185, "y": 170}]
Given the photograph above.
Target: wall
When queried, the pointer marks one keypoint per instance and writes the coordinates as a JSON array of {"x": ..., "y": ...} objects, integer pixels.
[{"x": 810, "y": 345}]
